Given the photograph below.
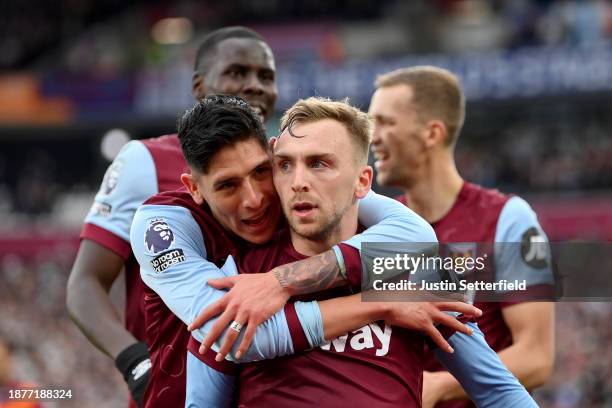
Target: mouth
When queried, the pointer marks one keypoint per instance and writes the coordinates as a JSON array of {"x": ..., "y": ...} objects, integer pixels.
[
  {"x": 380, "y": 158},
  {"x": 257, "y": 220},
  {"x": 260, "y": 111},
  {"x": 303, "y": 209}
]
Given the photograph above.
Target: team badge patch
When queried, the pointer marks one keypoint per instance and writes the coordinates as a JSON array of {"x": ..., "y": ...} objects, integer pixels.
[
  {"x": 460, "y": 252},
  {"x": 101, "y": 209},
  {"x": 534, "y": 248},
  {"x": 111, "y": 178},
  {"x": 158, "y": 236}
]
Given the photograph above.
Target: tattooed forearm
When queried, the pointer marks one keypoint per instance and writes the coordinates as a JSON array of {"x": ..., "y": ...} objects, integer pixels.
[{"x": 310, "y": 275}]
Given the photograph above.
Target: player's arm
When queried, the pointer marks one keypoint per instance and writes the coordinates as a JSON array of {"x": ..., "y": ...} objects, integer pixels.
[
  {"x": 522, "y": 252},
  {"x": 170, "y": 248},
  {"x": 255, "y": 297},
  {"x": 206, "y": 386},
  {"x": 93, "y": 273},
  {"x": 104, "y": 247},
  {"x": 481, "y": 373},
  {"x": 209, "y": 385},
  {"x": 530, "y": 357},
  {"x": 325, "y": 320}
]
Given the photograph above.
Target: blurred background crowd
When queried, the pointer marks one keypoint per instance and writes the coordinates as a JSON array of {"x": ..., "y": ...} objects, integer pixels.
[{"x": 80, "y": 78}]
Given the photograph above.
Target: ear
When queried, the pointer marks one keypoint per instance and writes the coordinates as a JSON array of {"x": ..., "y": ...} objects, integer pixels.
[
  {"x": 191, "y": 186},
  {"x": 198, "y": 86},
  {"x": 272, "y": 143},
  {"x": 436, "y": 133},
  {"x": 364, "y": 182}
]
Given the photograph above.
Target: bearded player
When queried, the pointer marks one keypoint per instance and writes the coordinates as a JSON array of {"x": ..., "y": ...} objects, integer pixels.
[
  {"x": 233, "y": 60},
  {"x": 320, "y": 173}
]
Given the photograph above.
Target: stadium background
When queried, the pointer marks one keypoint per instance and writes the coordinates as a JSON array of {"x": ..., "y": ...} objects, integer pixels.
[{"x": 80, "y": 77}]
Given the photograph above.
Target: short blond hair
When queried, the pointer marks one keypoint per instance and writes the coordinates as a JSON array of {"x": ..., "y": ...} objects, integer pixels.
[
  {"x": 436, "y": 93},
  {"x": 313, "y": 109}
]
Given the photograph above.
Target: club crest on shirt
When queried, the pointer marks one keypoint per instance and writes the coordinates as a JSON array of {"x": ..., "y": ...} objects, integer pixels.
[
  {"x": 460, "y": 252},
  {"x": 101, "y": 209},
  {"x": 158, "y": 236},
  {"x": 534, "y": 248},
  {"x": 111, "y": 178}
]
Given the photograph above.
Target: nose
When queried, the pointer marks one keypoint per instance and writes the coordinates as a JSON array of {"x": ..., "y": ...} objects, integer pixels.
[
  {"x": 300, "y": 180},
  {"x": 253, "y": 84},
  {"x": 253, "y": 197},
  {"x": 376, "y": 140}
]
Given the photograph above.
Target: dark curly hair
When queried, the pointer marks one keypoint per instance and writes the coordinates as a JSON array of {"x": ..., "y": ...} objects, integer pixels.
[{"x": 213, "y": 123}]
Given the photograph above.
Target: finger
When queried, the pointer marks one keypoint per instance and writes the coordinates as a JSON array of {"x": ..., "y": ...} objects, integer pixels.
[
  {"x": 211, "y": 311},
  {"x": 460, "y": 307},
  {"x": 246, "y": 340},
  {"x": 216, "y": 330},
  {"x": 223, "y": 283},
  {"x": 230, "y": 338},
  {"x": 452, "y": 323},
  {"x": 437, "y": 338}
]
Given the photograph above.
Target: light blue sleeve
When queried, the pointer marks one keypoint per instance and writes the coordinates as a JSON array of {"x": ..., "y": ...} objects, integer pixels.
[
  {"x": 522, "y": 251},
  {"x": 169, "y": 247},
  {"x": 127, "y": 183},
  {"x": 482, "y": 374},
  {"x": 388, "y": 220},
  {"x": 206, "y": 387}
]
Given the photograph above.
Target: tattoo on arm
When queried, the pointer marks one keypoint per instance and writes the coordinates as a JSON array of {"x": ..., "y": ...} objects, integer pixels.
[{"x": 310, "y": 275}]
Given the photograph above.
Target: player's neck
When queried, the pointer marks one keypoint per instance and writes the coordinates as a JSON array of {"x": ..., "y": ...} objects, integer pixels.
[
  {"x": 313, "y": 246},
  {"x": 434, "y": 194}
]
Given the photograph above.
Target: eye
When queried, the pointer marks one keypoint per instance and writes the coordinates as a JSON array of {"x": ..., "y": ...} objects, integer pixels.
[
  {"x": 283, "y": 165},
  {"x": 226, "y": 186},
  {"x": 266, "y": 76},
  {"x": 235, "y": 73},
  {"x": 383, "y": 121},
  {"x": 317, "y": 164}
]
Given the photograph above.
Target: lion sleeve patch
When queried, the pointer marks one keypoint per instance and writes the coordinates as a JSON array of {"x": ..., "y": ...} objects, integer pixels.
[
  {"x": 158, "y": 240},
  {"x": 158, "y": 236},
  {"x": 169, "y": 245}
]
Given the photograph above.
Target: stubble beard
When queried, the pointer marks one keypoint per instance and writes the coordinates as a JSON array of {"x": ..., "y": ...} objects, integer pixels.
[{"x": 325, "y": 231}]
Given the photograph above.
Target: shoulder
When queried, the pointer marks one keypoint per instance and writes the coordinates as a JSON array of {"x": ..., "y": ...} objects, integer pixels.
[
  {"x": 181, "y": 199},
  {"x": 133, "y": 162},
  {"x": 180, "y": 202},
  {"x": 165, "y": 142},
  {"x": 517, "y": 207},
  {"x": 134, "y": 150},
  {"x": 484, "y": 197},
  {"x": 178, "y": 197},
  {"x": 517, "y": 221}
]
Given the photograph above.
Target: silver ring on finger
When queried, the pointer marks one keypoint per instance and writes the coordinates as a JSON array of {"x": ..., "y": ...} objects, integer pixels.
[{"x": 235, "y": 326}]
